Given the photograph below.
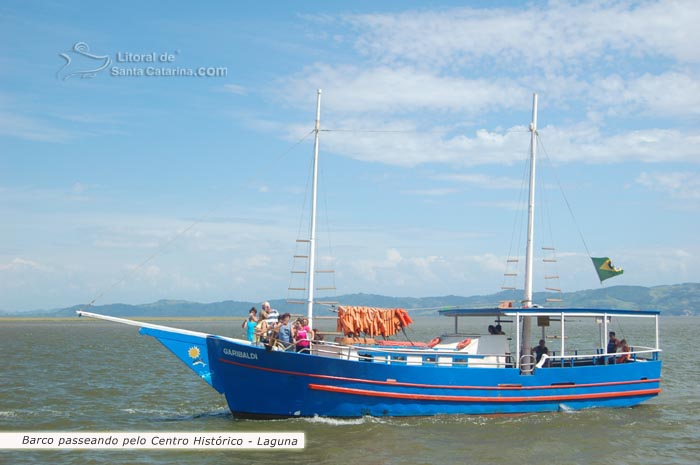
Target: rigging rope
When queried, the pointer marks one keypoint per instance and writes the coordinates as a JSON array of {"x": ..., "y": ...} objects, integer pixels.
[
  {"x": 566, "y": 200},
  {"x": 568, "y": 205},
  {"x": 517, "y": 231}
]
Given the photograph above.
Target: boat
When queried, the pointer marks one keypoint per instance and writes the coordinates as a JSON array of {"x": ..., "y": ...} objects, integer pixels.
[{"x": 464, "y": 371}]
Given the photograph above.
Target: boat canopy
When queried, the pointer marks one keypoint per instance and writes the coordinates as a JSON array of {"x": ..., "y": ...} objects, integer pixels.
[{"x": 542, "y": 311}]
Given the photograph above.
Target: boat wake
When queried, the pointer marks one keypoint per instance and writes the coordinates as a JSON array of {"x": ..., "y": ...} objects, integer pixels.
[
  {"x": 343, "y": 421},
  {"x": 172, "y": 416},
  {"x": 565, "y": 408}
]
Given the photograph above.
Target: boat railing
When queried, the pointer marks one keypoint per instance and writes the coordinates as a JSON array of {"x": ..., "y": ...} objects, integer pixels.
[
  {"x": 598, "y": 357},
  {"x": 450, "y": 357},
  {"x": 410, "y": 356}
]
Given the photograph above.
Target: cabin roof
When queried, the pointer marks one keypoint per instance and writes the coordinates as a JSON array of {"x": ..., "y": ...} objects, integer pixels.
[{"x": 535, "y": 311}]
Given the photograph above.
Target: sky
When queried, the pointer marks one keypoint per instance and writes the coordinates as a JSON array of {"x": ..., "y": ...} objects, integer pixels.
[{"x": 162, "y": 150}]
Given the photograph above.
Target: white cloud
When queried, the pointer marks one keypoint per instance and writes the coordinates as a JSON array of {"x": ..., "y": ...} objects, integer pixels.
[
  {"x": 557, "y": 35},
  {"x": 23, "y": 264},
  {"x": 483, "y": 180},
  {"x": 434, "y": 192},
  {"x": 668, "y": 94},
  {"x": 582, "y": 142},
  {"x": 148, "y": 271},
  {"x": 587, "y": 144},
  {"x": 400, "y": 268},
  {"x": 592, "y": 63},
  {"x": 235, "y": 89},
  {"x": 257, "y": 261},
  {"x": 679, "y": 185},
  {"x": 489, "y": 262},
  {"x": 384, "y": 89},
  {"x": 78, "y": 188},
  {"x": 123, "y": 243},
  {"x": 405, "y": 144},
  {"x": 31, "y": 128}
]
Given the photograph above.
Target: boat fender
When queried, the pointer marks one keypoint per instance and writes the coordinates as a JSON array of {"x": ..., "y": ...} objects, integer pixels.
[
  {"x": 433, "y": 342},
  {"x": 464, "y": 344}
]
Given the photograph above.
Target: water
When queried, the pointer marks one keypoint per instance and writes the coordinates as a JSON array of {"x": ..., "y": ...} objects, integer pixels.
[{"x": 86, "y": 375}]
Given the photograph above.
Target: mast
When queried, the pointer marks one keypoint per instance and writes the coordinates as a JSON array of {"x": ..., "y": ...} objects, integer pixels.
[
  {"x": 312, "y": 235},
  {"x": 527, "y": 298}
]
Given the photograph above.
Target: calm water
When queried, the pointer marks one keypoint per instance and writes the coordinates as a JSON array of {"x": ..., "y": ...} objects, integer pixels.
[{"x": 99, "y": 376}]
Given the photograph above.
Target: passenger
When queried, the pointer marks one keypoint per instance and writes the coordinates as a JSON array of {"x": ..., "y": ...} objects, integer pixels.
[
  {"x": 263, "y": 329},
  {"x": 272, "y": 314},
  {"x": 539, "y": 351},
  {"x": 317, "y": 335},
  {"x": 499, "y": 330},
  {"x": 301, "y": 337},
  {"x": 284, "y": 330},
  {"x": 613, "y": 343},
  {"x": 624, "y": 348},
  {"x": 492, "y": 329},
  {"x": 250, "y": 323},
  {"x": 309, "y": 331}
]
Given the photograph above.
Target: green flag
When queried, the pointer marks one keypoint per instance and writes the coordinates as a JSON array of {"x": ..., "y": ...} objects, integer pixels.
[{"x": 605, "y": 268}]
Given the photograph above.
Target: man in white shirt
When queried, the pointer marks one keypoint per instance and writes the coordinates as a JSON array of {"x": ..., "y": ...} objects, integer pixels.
[{"x": 272, "y": 314}]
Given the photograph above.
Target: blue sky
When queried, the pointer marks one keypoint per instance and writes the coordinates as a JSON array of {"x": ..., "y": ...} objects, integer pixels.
[{"x": 137, "y": 188}]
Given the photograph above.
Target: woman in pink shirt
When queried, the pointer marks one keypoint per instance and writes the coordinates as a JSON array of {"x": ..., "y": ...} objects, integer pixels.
[{"x": 302, "y": 336}]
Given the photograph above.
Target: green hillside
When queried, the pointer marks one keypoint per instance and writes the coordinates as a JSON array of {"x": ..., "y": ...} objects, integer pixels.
[{"x": 677, "y": 299}]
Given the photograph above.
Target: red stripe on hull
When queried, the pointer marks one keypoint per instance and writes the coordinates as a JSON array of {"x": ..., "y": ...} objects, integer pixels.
[{"x": 400, "y": 395}]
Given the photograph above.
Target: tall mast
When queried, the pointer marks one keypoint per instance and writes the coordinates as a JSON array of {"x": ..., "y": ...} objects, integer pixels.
[
  {"x": 312, "y": 235},
  {"x": 527, "y": 299}
]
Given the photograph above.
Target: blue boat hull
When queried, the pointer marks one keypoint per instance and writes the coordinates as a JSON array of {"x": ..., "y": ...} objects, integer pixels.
[{"x": 293, "y": 384}]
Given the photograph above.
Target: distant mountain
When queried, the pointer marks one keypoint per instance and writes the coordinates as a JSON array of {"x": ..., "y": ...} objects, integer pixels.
[{"x": 677, "y": 299}]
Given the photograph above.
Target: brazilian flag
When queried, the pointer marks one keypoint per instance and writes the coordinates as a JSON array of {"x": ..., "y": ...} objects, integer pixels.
[{"x": 605, "y": 268}]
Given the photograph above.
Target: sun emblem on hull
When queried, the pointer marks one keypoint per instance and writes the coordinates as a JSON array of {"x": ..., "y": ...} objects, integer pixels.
[
  {"x": 195, "y": 355},
  {"x": 193, "y": 352}
]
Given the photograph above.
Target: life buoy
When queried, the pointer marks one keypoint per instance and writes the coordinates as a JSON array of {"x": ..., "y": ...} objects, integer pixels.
[
  {"x": 433, "y": 342},
  {"x": 464, "y": 344}
]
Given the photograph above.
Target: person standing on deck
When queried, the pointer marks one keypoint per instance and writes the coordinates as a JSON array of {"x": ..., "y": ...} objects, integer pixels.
[
  {"x": 250, "y": 323},
  {"x": 263, "y": 330},
  {"x": 612, "y": 343},
  {"x": 540, "y": 350},
  {"x": 301, "y": 336},
  {"x": 284, "y": 330},
  {"x": 272, "y": 314}
]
